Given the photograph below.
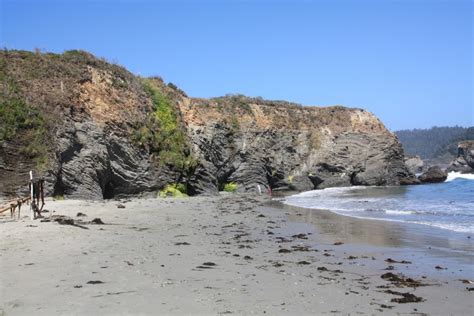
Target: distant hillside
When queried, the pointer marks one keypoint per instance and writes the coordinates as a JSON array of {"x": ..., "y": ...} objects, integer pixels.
[{"x": 434, "y": 143}]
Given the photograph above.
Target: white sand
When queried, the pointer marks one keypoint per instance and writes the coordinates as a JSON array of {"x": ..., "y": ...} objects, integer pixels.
[{"x": 46, "y": 267}]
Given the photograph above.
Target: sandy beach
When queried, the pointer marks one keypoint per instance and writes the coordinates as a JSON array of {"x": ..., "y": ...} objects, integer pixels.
[{"x": 231, "y": 254}]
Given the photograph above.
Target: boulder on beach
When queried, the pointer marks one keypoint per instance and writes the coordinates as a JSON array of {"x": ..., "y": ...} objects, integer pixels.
[{"x": 433, "y": 175}]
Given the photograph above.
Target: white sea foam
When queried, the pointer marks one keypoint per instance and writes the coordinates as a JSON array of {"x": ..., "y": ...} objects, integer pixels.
[
  {"x": 450, "y": 226},
  {"x": 457, "y": 175},
  {"x": 392, "y": 212},
  {"x": 448, "y": 206}
]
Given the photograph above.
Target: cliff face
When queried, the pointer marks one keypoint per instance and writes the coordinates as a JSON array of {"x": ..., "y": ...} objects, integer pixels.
[
  {"x": 96, "y": 131},
  {"x": 252, "y": 141}
]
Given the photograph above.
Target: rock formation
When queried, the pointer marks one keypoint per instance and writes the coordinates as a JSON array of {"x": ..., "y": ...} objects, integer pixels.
[
  {"x": 433, "y": 175},
  {"x": 464, "y": 162},
  {"x": 102, "y": 132},
  {"x": 414, "y": 164}
]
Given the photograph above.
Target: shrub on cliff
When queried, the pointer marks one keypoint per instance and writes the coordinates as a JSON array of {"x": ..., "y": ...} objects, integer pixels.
[
  {"x": 25, "y": 126},
  {"x": 162, "y": 132},
  {"x": 230, "y": 187}
]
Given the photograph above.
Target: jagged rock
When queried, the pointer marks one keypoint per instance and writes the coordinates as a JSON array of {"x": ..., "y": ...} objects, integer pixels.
[
  {"x": 286, "y": 159},
  {"x": 414, "y": 164},
  {"x": 94, "y": 164},
  {"x": 464, "y": 162},
  {"x": 433, "y": 175}
]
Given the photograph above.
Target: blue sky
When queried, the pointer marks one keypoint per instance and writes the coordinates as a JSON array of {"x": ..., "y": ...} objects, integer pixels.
[{"x": 410, "y": 62}]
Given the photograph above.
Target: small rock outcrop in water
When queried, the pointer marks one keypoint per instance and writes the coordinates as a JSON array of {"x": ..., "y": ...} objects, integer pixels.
[
  {"x": 433, "y": 175},
  {"x": 101, "y": 132},
  {"x": 464, "y": 162}
]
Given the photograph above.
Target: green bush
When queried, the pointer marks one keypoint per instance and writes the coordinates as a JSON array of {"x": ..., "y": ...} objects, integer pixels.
[
  {"x": 18, "y": 121},
  {"x": 14, "y": 115},
  {"x": 174, "y": 190},
  {"x": 162, "y": 132},
  {"x": 230, "y": 187}
]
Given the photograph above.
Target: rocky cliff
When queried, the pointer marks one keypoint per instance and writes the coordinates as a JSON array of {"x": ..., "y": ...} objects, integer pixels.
[{"x": 94, "y": 130}]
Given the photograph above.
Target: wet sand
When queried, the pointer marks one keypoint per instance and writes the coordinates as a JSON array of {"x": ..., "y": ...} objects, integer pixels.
[
  {"x": 431, "y": 243},
  {"x": 231, "y": 254}
]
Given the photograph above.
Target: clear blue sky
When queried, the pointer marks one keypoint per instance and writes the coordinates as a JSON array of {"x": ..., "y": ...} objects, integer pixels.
[{"x": 409, "y": 61}]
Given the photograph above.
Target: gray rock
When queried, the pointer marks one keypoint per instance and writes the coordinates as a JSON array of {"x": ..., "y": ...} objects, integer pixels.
[
  {"x": 282, "y": 160},
  {"x": 433, "y": 175},
  {"x": 414, "y": 164},
  {"x": 95, "y": 165},
  {"x": 464, "y": 162}
]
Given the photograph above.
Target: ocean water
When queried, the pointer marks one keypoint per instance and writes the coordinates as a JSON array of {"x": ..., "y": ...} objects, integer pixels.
[{"x": 448, "y": 205}]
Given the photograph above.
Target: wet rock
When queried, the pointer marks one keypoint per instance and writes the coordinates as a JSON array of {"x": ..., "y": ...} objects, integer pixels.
[{"x": 433, "y": 175}]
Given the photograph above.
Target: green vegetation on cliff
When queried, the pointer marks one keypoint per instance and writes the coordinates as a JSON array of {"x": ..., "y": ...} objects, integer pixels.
[
  {"x": 20, "y": 123},
  {"x": 230, "y": 187},
  {"x": 162, "y": 131},
  {"x": 25, "y": 126},
  {"x": 174, "y": 190}
]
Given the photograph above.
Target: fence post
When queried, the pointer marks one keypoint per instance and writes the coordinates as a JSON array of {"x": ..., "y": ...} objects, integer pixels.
[{"x": 32, "y": 210}]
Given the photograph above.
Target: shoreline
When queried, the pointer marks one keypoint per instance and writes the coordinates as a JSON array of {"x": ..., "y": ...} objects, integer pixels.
[
  {"x": 406, "y": 204},
  {"x": 464, "y": 239},
  {"x": 229, "y": 254},
  {"x": 450, "y": 248}
]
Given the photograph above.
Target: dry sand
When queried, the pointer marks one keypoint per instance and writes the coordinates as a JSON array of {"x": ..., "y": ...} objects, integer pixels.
[{"x": 231, "y": 254}]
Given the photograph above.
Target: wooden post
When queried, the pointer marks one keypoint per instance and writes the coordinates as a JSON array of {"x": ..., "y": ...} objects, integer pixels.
[{"x": 32, "y": 209}]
